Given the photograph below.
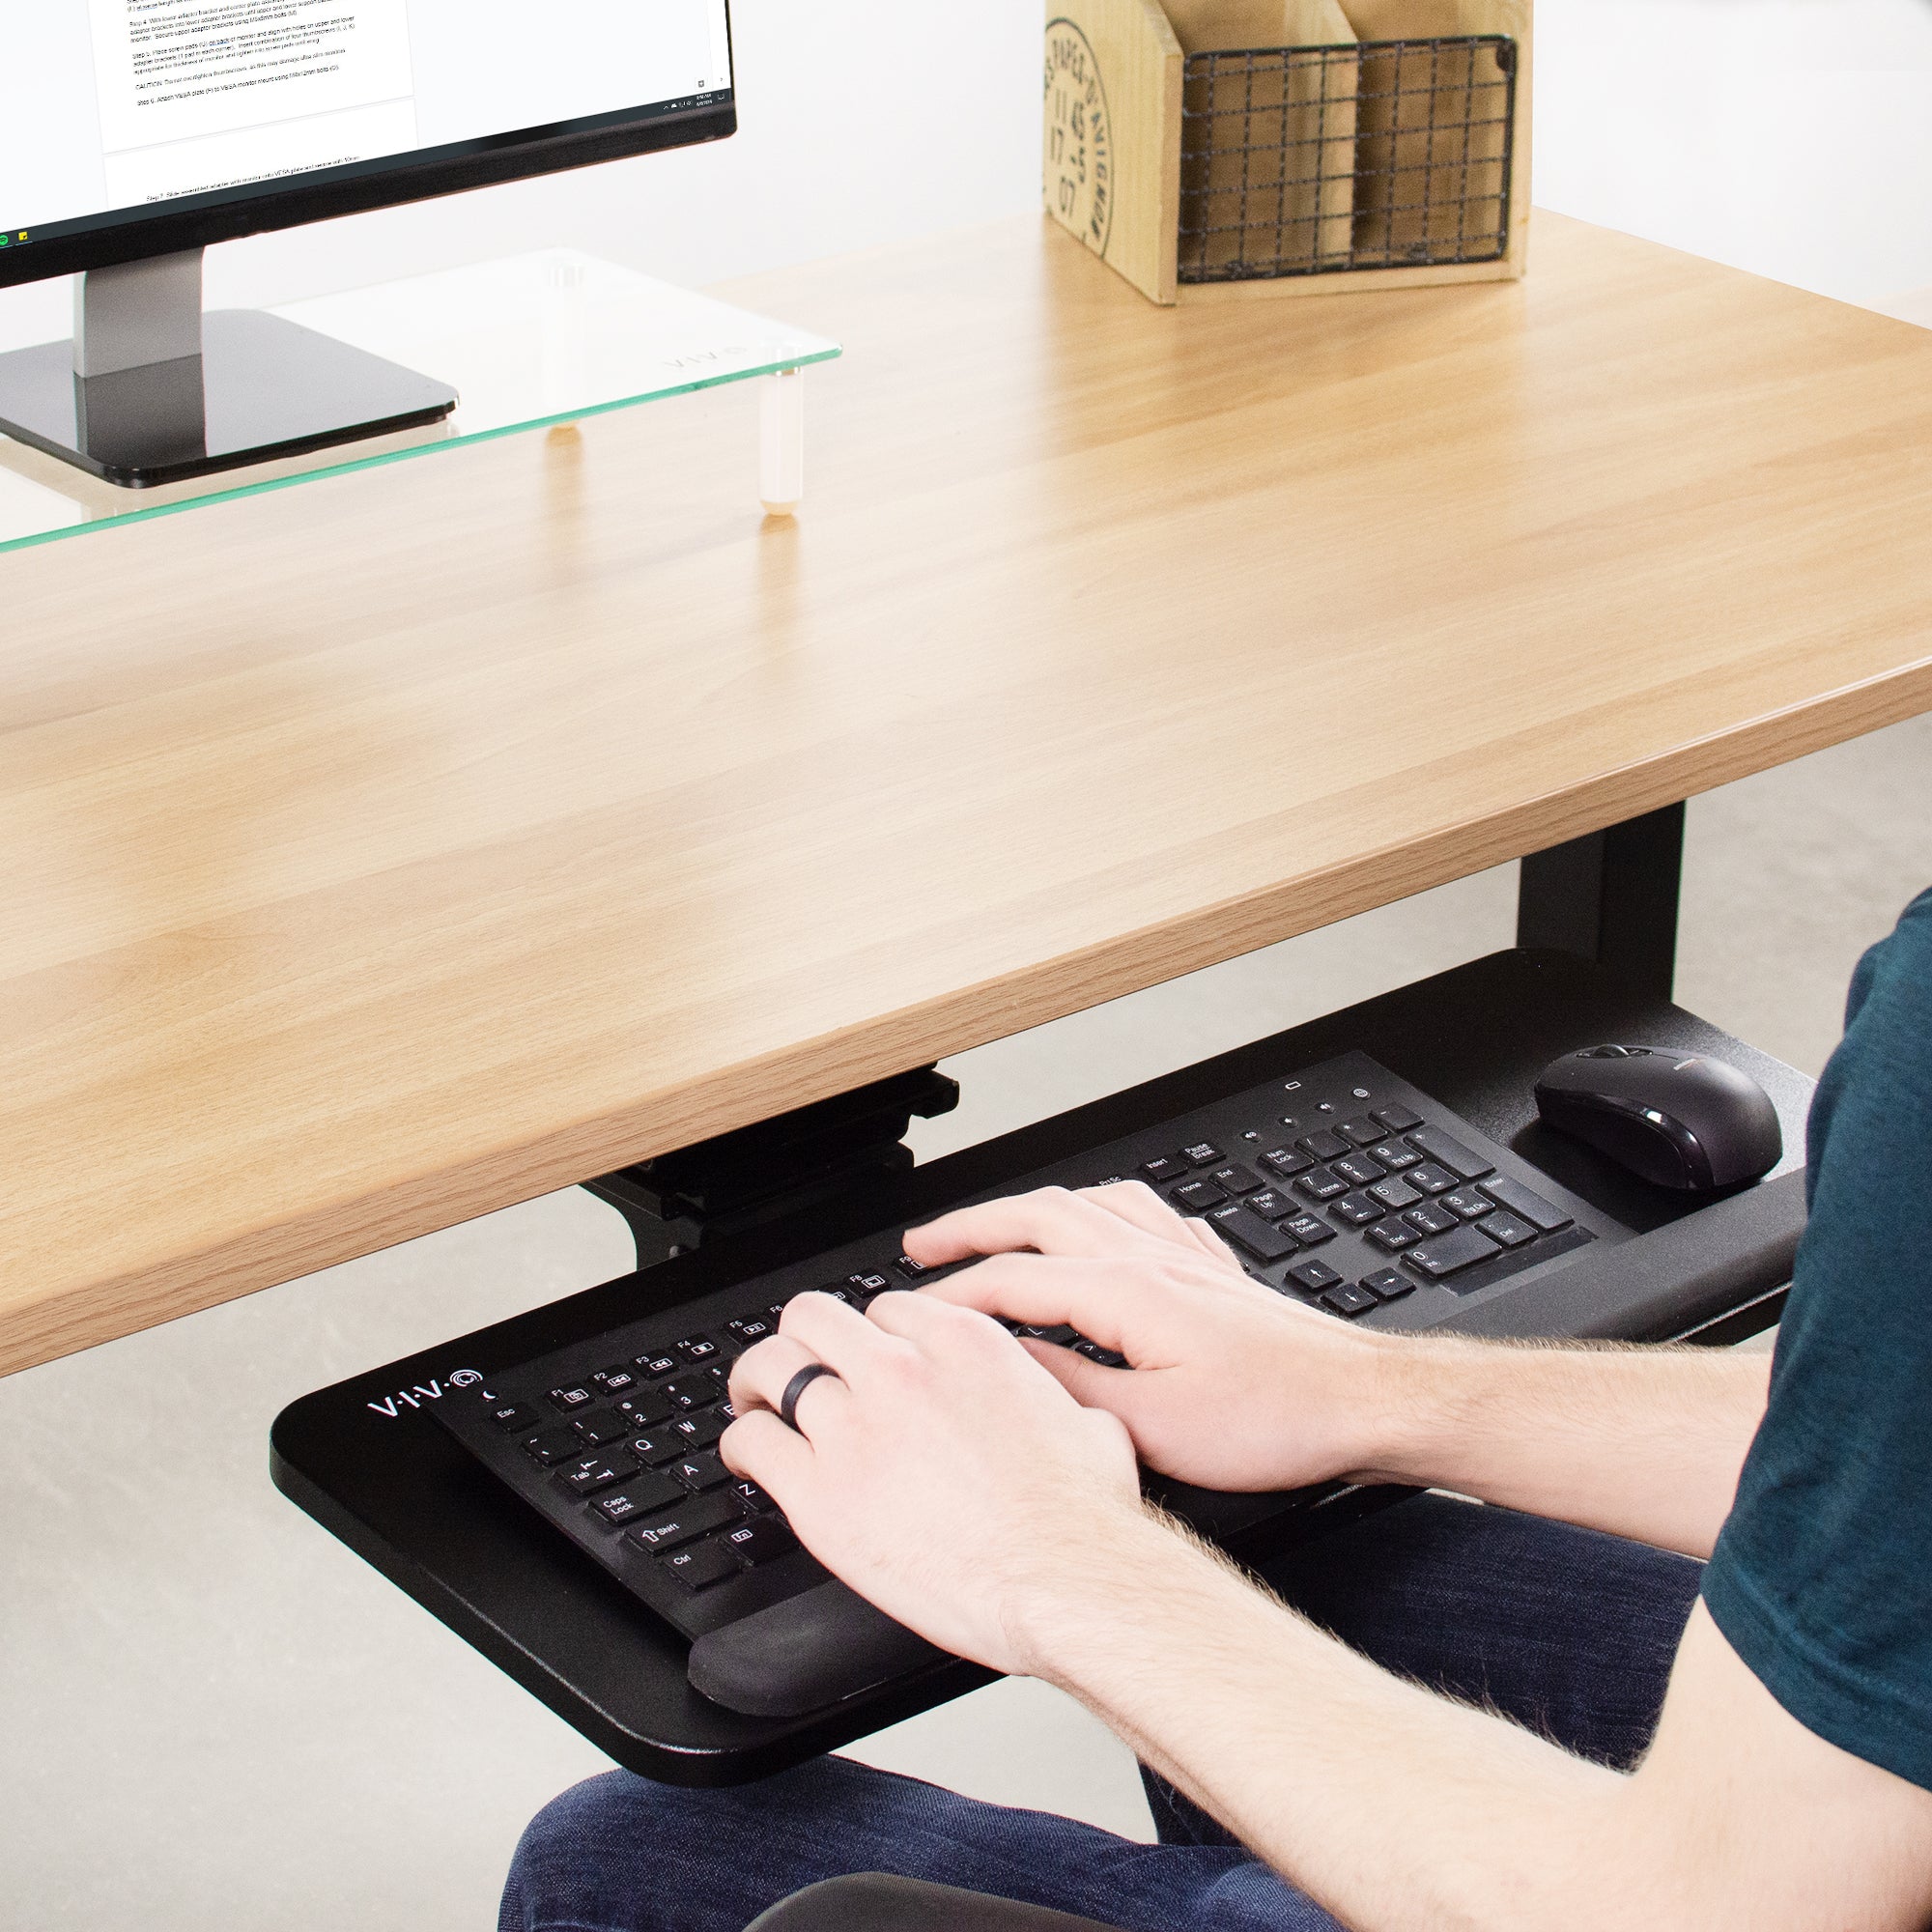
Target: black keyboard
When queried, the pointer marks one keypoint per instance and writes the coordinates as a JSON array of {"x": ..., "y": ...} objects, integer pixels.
[{"x": 1340, "y": 1187}]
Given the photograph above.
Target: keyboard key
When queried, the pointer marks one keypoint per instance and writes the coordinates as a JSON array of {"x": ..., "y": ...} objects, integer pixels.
[
  {"x": 1360, "y": 1169},
  {"x": 1398, "y": 1119},
  {"x": 1469, "y": 1203},
  {"x": 702, "y": 1430},
  {"x": 657, "y": 1446},
  {"x": 1451, "y": 1253},
  {"x": 908, "y": 1269},
  {"x": 750, "y": 1496},
  {"x": 701, "y": 1564},
  {"x": 643, "y": 1497},
  {"x": 1202, "y": 1154},
  {"x": 589, "y": 1474},
  {"x": 692, "y": 1391},
  {"x": 695, "y": 1516},
  {"x": 616, "y": 1380},
  {"x": 1106, "y": 1357},
  {"x": 554, "y": 1445},
  {"x": 1544, "y": 1216},
  {"x": 656, "y": 1366},
  {"x": 1320, "y": 1183},
  {"x": 1395, "y": 1193},
  {"x": 1060, "y": 1335},
  {"x": 1364, "y": 1132},
  {"x": 1431, "y": 1218},
  {"x": 1431, "y": 1178},
  {"x": 1325, "y": 1144},
  {"x": 606, "y": 1426},
  {"x": 1271, "y": 1205},
  {"x": 1508, "y": 1230},
  {"x": 751, "y": 1330},
  {"x": 1358, "y": 1209},
  {"x": 866, "y": 1286},
  {"x": 1197, "y": 1196},
  {"x": 1288, "y": 1162},
  {"x": 578, "y": 1395},
  {"x": 1310, "y": 1232},
  {"x": 1312, "y": 1275},
  {"x": 509, "y": 1415},
  {"x": 1446, "y": 1150},
  {"x": 1394, "y": 1155},
  {"x": 1235, "y": 1180},
  {"x": 697, "y": 1348},
  {"x": 759, "y": 1542},
  {"x": 1392, "y": 1236},
  {"x": 1387, "y": 1285},
  {"x": 1346, "y": 1300},
  {"x": 1162, "y": 1169},
  {"x": 1252, "y": 1235},
  {"x": 703, "y": 1470}
]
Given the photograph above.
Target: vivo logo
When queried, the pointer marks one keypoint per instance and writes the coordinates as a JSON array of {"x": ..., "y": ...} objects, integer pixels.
[{"x": 422, "y": 1392}]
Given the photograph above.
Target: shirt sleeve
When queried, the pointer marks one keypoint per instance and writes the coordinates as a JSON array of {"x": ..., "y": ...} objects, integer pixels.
[{"x": 1822, "y": 1578}]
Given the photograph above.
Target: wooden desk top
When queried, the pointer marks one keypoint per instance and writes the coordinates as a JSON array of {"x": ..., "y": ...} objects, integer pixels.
[{"x": 393, "y": 848}]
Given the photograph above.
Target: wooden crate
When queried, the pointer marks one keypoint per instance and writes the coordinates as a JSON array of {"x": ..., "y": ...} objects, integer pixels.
[{"x": 1440, "y": 138}]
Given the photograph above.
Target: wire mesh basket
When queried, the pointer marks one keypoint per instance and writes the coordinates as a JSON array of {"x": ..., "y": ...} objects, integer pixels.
[{"x": 1368, "y": 155}]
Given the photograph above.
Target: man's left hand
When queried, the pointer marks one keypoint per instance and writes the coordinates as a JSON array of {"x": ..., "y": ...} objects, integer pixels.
[{"x": 939, "y": 1469}]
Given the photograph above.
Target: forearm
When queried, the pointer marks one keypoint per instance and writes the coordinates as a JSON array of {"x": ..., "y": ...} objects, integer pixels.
[
  {"x": 1643, "y": 1442},
  {"x": 1391, "y": 1807}
]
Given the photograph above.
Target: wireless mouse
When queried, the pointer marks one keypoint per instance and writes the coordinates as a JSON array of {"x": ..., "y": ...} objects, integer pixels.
[{"x": 1674, "y": 1119}]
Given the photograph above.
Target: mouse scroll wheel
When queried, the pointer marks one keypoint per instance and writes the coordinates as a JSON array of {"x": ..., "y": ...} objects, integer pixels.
[{"x": 1605, "y": 1053}]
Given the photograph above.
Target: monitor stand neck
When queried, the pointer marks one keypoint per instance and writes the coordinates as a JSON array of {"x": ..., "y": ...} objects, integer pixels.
[{"x": 137, "y": 314}]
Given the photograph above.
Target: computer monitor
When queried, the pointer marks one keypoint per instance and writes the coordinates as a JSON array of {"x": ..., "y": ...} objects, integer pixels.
[{"x": 139, "y": 133}]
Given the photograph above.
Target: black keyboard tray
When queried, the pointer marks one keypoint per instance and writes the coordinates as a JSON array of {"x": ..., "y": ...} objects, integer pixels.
[{"x": 399, "y": 1492}]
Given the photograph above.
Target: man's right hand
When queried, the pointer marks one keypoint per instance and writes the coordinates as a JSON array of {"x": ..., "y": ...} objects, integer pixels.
[{"x": 1231, "y": 1386}]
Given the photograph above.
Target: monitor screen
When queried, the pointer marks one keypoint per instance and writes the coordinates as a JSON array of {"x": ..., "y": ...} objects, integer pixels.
[{"x": 120, "y": 110}]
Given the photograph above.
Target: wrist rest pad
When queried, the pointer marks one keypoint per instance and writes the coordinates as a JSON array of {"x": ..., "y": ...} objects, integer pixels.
[{"x": 805, "y": 1654}]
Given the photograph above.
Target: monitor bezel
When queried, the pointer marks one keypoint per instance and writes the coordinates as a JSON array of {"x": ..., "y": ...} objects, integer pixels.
[{"x": 426, "y": 175}]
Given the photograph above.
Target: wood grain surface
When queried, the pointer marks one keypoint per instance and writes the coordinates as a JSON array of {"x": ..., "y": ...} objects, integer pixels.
[{"x": 403, "y": 845}]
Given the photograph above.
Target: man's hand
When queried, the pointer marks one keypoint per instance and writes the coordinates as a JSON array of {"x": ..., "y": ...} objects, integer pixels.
[
  {"x": 1230, "y": 1384},
  {"x": 1236, "y": 1387},
  {"x": 939, "y": 1470}
]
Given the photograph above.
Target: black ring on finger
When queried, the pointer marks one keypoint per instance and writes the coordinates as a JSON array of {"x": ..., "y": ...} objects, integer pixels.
[{"x": 796, "y": 1387}]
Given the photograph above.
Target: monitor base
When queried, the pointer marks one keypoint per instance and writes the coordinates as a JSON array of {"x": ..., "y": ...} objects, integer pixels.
[{"x": 262, "y": 387}]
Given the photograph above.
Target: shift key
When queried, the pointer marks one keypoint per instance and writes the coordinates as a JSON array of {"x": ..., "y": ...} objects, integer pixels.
[
  {"x": 698, "y": 1518},
  {"x": 1248, "y": 1232}
]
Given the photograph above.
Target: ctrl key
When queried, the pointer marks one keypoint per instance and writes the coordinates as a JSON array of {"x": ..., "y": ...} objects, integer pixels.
[{"x": 702, "y": 1564}]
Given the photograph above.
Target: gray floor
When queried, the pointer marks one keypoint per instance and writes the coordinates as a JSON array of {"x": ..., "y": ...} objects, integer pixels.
[{"x": 211, "y": 1715}]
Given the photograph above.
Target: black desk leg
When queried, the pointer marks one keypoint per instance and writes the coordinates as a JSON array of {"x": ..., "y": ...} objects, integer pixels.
[{"x": 1611, "y": 896}]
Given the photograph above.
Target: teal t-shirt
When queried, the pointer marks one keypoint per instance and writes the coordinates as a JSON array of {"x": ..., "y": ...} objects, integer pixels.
[{"x": 1822, "y": 1579}]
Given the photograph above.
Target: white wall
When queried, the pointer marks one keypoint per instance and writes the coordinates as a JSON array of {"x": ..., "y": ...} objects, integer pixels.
[{"x": 1793, "y": 137}]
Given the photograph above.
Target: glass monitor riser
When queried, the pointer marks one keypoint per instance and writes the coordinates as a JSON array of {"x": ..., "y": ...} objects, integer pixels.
[{"x": 547, "y": 340}]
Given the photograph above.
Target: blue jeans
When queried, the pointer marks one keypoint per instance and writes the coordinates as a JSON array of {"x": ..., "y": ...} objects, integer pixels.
[{"x": 1565, "y": 1629}]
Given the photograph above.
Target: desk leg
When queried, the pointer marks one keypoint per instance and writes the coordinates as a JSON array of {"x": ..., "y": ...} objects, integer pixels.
[
  {"x": 782, "y": 435},
  {"x": 1611, "y": 896}
]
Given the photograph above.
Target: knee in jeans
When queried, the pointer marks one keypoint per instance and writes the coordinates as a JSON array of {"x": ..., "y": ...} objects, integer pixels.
[{"x": 574, "y": 1836}]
